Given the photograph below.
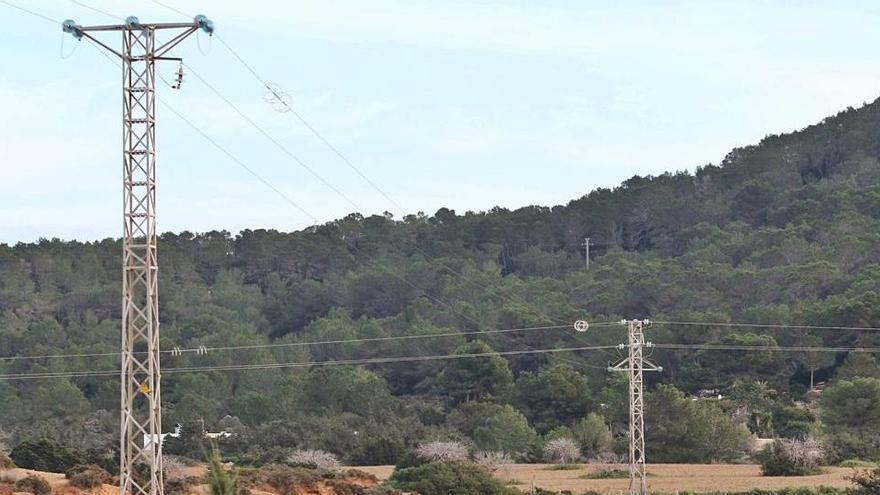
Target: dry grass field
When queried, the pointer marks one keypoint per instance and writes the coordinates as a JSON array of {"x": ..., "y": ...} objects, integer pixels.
[{"x": 667, "y": 478}]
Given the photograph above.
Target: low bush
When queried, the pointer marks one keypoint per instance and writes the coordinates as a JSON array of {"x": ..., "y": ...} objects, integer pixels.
[
  {"x": 283, "y": 478},
  {"x": 6, "y": 461},
  {"x": 46, "y": 455},
  {"x": 87, "y": 476},
  {"x": 790, "y": 458},
  {"x": 868, "y": 481},
  {"x": 606, "y": 474},
  {"x": 181, "y": 485},
  {"x": 443, "y": 478},
  {"x": 33, "y": 484}
]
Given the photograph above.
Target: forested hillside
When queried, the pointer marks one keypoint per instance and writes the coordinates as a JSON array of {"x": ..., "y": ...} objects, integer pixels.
[{"x": 783, "y": 232}]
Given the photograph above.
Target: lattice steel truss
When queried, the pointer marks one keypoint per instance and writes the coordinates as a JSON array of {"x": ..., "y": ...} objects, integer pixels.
[
  {"x": 141, "y": 379},
  {"x": 635, "y": 364}
]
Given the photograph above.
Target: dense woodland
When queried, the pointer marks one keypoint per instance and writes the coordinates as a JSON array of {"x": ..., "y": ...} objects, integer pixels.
[{"x": 783, "y": 232}]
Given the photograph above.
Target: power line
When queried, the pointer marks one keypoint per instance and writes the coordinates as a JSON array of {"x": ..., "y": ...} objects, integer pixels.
[
  {"x": 274, "y": 141},
  {"x": 239, "y": 162},
  {"x": 31, "y": 12},
  {"x": 95, "y": 9},
  {"x": 310, "y": 364},
  {"x": 161, "y": 4},
  {"x": 768, "y": 325},
  {"x": 766, "y": 348},
  {"x": 202, "y": 349},
  {"x": 402, "y": 359}
]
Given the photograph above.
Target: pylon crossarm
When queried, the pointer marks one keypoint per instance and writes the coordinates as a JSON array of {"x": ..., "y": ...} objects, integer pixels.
[
  {"x": 168, "y": 45},
  {"x": 102, "y": 44},
  {"x": 124, "y": 27}
]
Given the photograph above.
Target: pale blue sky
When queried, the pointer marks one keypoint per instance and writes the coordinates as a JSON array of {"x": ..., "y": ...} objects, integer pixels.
[{"x": 463, "y": 104}]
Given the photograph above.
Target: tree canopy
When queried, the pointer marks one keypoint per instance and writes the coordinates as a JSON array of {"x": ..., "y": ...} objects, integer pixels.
[{"x": 782, "y": 232}]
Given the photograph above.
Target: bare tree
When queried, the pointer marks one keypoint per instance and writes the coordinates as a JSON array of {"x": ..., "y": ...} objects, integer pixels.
[
  {"x": 442, "y": 451},
  {"x": 316, "y": 459},
  {"x": 561, "y": 451},
  {"x": 807, "y": 453},
  {"x": 492, "y": 461}
]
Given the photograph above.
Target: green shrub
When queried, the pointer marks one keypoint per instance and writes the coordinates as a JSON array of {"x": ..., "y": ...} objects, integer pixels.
[
  {"x": 46, "y": 455},
  {"x": 221, "y": 481},
  {"x": 778, "y": 459},
  {"x": 33, "y": 484},
  {"x": 107, "y": 457},
  {"x": 793, "y": 422},
  {"x": 443, "y": 478},
  {"x": 87, "y": 476},
  {"x": 606, "y": 474}
]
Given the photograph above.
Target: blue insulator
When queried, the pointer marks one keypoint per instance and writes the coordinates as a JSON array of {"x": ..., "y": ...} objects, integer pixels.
[
  {"x": 69, "y": 26},
  {"x": 206, "y": 25},
  {"x": 132, "y": 22}
]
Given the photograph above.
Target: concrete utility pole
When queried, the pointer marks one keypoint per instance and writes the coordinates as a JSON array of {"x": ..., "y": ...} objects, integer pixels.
[
  {"x": 586, "y": 246},
  {"x": 634, "y": 365},
  {"x": 140, "y": 400}
]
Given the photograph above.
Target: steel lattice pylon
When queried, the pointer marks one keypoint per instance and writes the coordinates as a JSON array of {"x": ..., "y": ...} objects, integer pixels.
[
  {"x": 141, "y": 382},
  {"x": 140, "y": 470},
  {"x": 635, "y": 364}
]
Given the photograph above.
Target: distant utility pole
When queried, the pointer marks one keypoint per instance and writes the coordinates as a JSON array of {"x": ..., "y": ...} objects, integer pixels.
[
  {"x": 634, "y": 364},
  {"x": 141, "y": 400},
  {"x": 586, "y": 246}
]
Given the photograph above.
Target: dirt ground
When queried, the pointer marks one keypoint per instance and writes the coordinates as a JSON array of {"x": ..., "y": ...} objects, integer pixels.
[{"x": 668, "y": 478}]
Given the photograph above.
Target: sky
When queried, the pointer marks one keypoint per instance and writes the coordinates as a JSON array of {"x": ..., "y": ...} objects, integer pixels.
[{"x": 439, "y": 103}]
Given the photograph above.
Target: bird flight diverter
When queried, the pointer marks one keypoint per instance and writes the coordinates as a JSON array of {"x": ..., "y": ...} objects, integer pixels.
[
  {"x": 70, "y": 26},
  {"x": 581, "y": 326},
  {"x": 205, "y": 24}
]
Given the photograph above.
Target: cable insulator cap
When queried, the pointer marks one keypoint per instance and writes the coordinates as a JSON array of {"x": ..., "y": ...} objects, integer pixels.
[
  {"x": 70, "y": 26},
  {"x": 205, "y": 24}
]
